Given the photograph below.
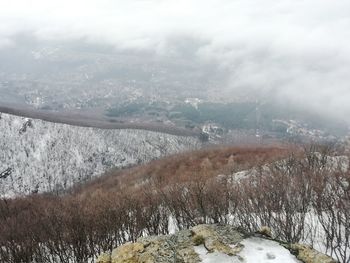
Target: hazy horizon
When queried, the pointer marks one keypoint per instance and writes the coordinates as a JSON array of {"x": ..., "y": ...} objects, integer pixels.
[{"x": 295, "y": 52}]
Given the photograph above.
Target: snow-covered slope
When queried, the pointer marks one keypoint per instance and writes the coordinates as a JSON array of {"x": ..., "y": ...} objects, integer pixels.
[{"x": 40, "y": 156}]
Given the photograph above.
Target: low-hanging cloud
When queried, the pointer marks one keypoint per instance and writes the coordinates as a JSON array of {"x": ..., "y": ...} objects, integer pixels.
[{"x": 295, "y": 50}]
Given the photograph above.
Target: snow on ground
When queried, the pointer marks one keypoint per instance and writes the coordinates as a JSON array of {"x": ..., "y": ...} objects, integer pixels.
[{"x": 256, "y": 250}]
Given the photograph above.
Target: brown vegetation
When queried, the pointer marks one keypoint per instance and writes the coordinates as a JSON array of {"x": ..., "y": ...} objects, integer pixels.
[
  {"x": 186, "y": 167},
  {"x": 284, "y": 187}
]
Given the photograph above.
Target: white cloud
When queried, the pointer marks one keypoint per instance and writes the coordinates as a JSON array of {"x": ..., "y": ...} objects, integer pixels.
[{"x": 296, "y": 49}]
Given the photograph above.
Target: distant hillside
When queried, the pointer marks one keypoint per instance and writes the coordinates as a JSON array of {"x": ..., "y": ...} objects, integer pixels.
[
  {"x": 40, "y": 156},
  {"x": 186, "y": 167},
  {"x": 84, "y": 119}
]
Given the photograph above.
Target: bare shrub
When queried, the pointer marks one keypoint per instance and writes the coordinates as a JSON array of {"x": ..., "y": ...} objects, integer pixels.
[{"x": 279, "y": 192}]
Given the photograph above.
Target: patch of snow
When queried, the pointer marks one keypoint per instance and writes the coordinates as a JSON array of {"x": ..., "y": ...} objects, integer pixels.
[
  {"x": 172, "y": 227},
  {"x": 256, "y": 250},
  {"x": 259, "y": 250},
  {"x": 214, "y": 257}
]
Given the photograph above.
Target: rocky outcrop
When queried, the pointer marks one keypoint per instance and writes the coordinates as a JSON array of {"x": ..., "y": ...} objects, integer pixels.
[
  {"x": 104, "y": 258},
  {"x": 308, "y": 255},
  {"x": 218, "y": 239},
  {"x": 183, "y": 247}
]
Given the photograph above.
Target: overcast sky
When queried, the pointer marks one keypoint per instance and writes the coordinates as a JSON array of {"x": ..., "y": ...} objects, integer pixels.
[{"x": 298, "y": 50}]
